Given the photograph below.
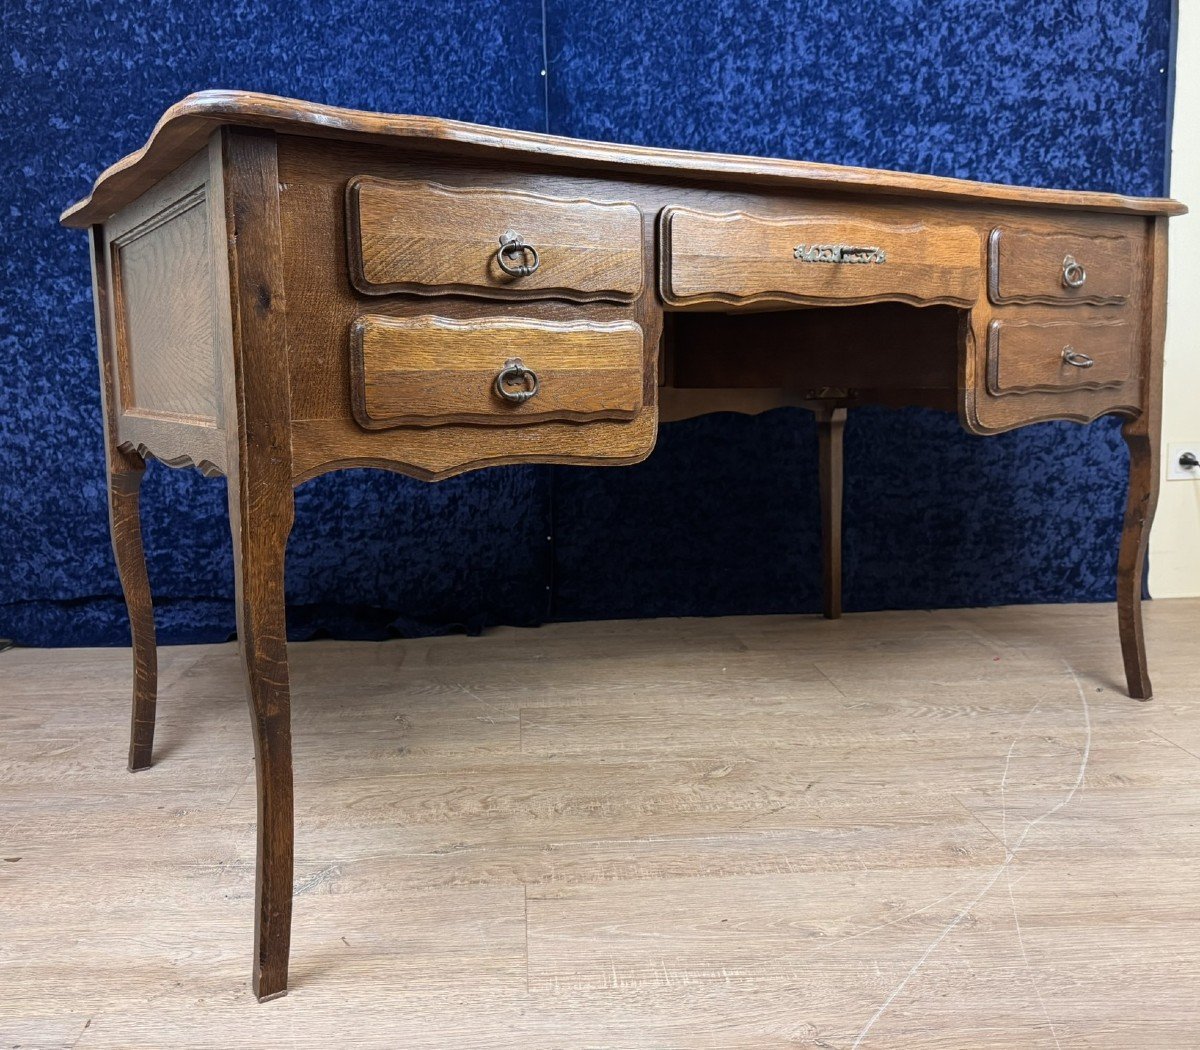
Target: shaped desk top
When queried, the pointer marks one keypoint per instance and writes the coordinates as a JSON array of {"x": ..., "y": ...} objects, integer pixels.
[{"x": 186, "y": 126}]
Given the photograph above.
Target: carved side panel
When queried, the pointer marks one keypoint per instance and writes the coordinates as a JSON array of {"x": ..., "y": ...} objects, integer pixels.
[{"x": 164, "y": 276}]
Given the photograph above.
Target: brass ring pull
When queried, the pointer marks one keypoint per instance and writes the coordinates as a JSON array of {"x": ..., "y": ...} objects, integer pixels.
[
  {"x": 516, "y": 258},
  {"x": 1073, "y": 357},
  {"x": 1073, "y": 273},
  {"x": 516, "y": 383}
]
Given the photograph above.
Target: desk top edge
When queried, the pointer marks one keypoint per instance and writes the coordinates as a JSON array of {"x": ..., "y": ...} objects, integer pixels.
[{"x": 186, "y": 126}]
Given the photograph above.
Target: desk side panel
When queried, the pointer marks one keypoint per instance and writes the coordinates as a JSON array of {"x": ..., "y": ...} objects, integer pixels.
[{"x": 163, "y": 282}]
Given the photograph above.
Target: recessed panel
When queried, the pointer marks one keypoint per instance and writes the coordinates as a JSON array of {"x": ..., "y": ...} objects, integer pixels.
[{"x": 165, "y": 295}]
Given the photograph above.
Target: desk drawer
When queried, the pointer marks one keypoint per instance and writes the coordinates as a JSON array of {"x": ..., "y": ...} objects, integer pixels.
[
  {"x": 428, "y": 239},
  {"x": 1025, "y": 357},
  {"x": 426, "y": 371},
  {"x": 1059, "y": 268},
  {"x": 737, "y": 258}
]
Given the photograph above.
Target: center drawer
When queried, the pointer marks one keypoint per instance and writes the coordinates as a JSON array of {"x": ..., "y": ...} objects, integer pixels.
[
  {"x": 430, "y": 370},
  {"x": 737, "y": 258}
]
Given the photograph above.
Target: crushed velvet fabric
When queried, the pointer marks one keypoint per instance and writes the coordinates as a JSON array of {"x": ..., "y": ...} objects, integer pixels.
[{"x": 723, "y": 516}]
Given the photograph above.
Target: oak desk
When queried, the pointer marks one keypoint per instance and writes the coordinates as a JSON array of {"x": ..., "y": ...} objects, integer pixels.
[{"x": 283, "y": 289}]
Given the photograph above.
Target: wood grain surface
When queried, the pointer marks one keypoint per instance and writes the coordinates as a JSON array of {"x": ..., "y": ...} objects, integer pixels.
[
  {"x": 987, "y": 409},
  {"x": 162, "y": 281},
  {"x": 1143, "y": 436},
  {"x": 187, "y": 125},
  {"x": 739, "y": 833},
  {"x": 326, "y": 434},
  {"x": 125, "y": 469},
  {"x": 831, "y": 427}
]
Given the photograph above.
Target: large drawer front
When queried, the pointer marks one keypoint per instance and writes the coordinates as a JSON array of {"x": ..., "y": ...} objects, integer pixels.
[
  {"x": 1029, "y": 356},
  {"x": 429, "y": 239},
  {"x": 738, "y": 258},
  {"x": 428, "y": 370},
  {"x": 1059, "y": 268}
]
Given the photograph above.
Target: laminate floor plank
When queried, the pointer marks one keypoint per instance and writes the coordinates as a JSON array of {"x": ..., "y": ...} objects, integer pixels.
[{"x": 917, "y": 830}]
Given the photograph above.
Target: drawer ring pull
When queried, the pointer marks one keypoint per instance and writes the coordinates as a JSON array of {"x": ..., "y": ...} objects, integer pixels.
[
  {"x": 516, "y": 258},
  {"x": 516, "y": 383},
  {"x": 1074, "y": 357},
  {"x": 1073, "y": 272}
]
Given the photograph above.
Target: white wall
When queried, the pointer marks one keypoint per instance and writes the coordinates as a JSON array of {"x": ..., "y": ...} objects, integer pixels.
[{"x": 1175, "y": 538}]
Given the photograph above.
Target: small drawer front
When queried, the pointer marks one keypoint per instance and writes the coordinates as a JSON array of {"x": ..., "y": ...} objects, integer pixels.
[
  {"x": 426, "y": 371},
  {"x": 737, "y": 258},
  {"x": 428, "y": 239},
  {"x": 1059, "y": 268},
  {"x": 1025, "y": 357}
]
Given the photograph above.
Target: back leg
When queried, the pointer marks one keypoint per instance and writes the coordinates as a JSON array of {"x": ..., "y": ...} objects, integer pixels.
[{"x": 124, "y": 484}]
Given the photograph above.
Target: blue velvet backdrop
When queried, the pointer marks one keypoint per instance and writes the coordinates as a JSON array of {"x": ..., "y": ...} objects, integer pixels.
[{"x": 723, "y": 516}]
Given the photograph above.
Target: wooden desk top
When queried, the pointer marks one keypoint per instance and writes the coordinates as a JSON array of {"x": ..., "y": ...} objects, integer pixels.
[{"x": 186, "y": 126}]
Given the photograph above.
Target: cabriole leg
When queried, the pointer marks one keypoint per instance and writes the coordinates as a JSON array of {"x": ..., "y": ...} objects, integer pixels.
[
  {"x": 261, "y": 519},
  {"x": 125, "y": 473},
  {"x": 1131, "y": 564},
  {"x": 261, "y": 509}
]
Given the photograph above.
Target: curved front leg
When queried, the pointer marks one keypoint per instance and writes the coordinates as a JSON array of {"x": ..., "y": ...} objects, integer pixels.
[
  {"x": 260, "y": 515},
  {"x": 1143, "y": 442},
  {"x": 261, "y": 509}
]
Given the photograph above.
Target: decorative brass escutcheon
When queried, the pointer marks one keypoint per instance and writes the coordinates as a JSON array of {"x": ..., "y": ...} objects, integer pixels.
[{"x": 840, "y": 253}]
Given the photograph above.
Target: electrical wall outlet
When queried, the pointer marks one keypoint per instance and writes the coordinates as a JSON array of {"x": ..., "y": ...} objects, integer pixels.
[{"x": 1177, "y": 471}]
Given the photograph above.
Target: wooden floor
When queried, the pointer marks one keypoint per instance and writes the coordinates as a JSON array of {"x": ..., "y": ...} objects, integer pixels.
[{"x": 946, "y": 829}]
